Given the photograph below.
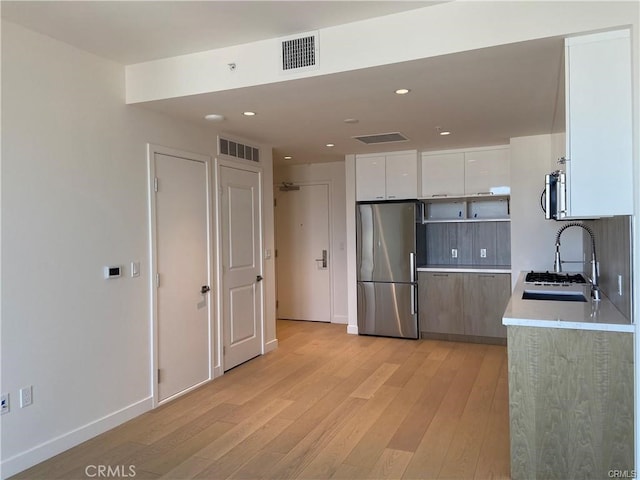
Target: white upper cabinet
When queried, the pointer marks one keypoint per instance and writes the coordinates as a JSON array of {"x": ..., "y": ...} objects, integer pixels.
[
  {"x": 458, "y": 173},
  {"x": 442, "y": 174},
  {"x": 402, "y": 176},
  {"x": 487, "y": 172},
  {"x": 599, "y": 125},
  {"x": 370, "y": 178},
  {"x": 389, "y": 176}
]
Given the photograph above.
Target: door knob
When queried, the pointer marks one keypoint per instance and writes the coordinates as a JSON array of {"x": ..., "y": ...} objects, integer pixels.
[
  {"x": 258, "y": 278},
  {"x": 204, "y": 289}
]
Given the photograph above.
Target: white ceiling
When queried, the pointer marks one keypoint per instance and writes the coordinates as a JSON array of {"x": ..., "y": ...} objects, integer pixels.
[{"x": 484, "y": 96}]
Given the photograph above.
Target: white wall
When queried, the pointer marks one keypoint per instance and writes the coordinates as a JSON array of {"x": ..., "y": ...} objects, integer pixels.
[
  {"x": 333, "y": 174},
  {"x": 74, "y": 199},
  {"x": 421, "y": 33},
  {"x": 533, "y": 237}
]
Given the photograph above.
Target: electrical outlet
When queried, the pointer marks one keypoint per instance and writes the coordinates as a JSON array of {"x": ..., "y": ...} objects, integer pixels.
[
  {"x": 26, "y": 396},
  {"x": 454, "y": 253},
  {"x": 483, "y": 253},
  {"x": 4, "y": 403}
]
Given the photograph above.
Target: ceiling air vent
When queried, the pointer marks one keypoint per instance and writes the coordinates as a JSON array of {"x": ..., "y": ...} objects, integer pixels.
[
  {"x": 300, "y": 52},
  {"x": 382, "y": 138},
  {"x": 238, "y": 150}
]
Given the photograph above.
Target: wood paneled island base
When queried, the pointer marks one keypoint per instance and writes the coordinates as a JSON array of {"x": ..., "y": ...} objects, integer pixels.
[{"x": 570, "y": 403}]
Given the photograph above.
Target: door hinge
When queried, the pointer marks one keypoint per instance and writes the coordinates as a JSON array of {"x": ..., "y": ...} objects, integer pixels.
[
  {"x": 158, "y": 375},
  {"x": 276, "y": 253},
  {"x": 157, "y": 280},
  {"x": 275, "y": 202},
  {"x": 276, "y": 303},
  {"x": 224, "y": 350},
  {"x": 155, "y": 184}
]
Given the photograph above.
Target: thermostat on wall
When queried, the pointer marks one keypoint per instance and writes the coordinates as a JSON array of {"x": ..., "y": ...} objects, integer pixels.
[{"x": 112, "y": 272}]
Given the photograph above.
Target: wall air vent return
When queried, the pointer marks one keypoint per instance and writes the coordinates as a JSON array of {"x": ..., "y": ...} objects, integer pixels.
[
  {"x": 299, "y": 53},
  {"x": 238, "y": 150},
  {"x": 382, "y": 138}
]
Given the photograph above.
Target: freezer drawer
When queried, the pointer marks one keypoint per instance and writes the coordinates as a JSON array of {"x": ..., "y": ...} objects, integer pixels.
[{"x": 387, "y": 309}]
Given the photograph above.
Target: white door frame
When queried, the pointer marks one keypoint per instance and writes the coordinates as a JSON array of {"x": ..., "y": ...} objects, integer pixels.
[
  {"x": 249, "y": 166},
  {"x": 153, "y": 265},
  {"x": 329, "y": 185}
]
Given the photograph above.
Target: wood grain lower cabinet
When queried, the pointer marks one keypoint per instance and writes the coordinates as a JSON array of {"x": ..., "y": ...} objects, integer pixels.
[
  {"x": 440, "y": 302},
  {"x": 485, "y": 297},
  {"x": 468, "y": 304}
]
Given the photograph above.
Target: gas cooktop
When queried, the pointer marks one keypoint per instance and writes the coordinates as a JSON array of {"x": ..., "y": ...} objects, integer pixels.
[{"x": 552, "y": 278}]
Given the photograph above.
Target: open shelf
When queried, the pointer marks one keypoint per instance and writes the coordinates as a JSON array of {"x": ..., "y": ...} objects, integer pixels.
[{"x": 469, "y": 209}]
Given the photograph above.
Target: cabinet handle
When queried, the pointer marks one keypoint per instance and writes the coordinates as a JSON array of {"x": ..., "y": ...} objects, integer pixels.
[
  {"x": 486, "y": 276},
  {"x": 484, "y": 193},
  {"x": 440, "y": 195},
  {"x": 440, "y": 274},
  {"x": 392, "y": 196},
  {"x": 380, "y": 197}
]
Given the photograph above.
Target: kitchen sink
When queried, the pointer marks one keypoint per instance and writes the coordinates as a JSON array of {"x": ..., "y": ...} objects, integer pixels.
[{"x": 557, "y": 296}]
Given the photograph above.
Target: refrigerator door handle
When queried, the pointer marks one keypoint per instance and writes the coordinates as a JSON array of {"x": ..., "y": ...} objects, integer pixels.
[
  {"x": 412, "y": 270},
  {"x": 413, "y": 299},
  {"x": 412, "y": 267}
]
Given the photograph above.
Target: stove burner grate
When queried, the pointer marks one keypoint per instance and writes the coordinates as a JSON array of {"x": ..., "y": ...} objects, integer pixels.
[{"x": 552, "y": 277}]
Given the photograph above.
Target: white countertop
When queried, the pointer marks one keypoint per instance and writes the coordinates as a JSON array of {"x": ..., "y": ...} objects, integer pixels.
[
  {"x": 464, "y": 269},
  {"x": 589, "y": 315}
]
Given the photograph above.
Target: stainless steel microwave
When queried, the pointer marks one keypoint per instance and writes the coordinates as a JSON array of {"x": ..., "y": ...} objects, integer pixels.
[{"x": 555, "y": 195}]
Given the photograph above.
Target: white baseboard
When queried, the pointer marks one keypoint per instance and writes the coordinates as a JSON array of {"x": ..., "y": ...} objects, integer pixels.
[
  {"x": 57, "y": 445},
  {"x": 352, "y": 329},
  {"x": 341, "y": 319},
  {"x": 271, "y": 345}
]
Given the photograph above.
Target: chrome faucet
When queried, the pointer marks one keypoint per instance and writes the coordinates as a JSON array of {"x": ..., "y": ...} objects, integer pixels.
[{"x": 557, "y": 263}]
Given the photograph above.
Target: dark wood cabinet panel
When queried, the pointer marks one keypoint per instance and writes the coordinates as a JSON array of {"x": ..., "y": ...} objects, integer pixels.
[
  {"x": 440, "y": 302},
  {"x": 485, "y": 298},
  {"x": 469, "y": 304}
]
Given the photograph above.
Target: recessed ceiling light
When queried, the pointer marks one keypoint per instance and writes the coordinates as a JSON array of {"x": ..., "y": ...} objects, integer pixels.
[
  {"x": 402, "y": 91},
  {"x": 248, "y": 114},
  {"x": 330, "y": 145},
  {"x": 214, "y": 117},
  {"x": 445, "y": 132},
  {"x": 288, "y": 157},
  {"x": 351, "y": 120}
]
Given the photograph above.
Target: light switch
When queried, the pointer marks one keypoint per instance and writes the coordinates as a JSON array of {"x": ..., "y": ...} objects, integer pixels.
[{"x": 135, "y": 269}]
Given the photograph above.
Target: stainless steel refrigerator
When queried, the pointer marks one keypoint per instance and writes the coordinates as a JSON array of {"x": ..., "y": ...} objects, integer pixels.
[{"x": 387, "y": 258}]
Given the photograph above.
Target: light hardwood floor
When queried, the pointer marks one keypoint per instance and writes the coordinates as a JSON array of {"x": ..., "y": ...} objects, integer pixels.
[{"x": 325, "y": 404}]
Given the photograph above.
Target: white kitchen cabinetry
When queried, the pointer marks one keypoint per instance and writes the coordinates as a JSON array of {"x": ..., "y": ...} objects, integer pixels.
[
  {"x": 459, "y": 173},
  {"x": 443, "y": 174},
  {"x": 599, "y": 125},
  {"x": 487, "y": 172},
  {"x": 389, "y": 176}
]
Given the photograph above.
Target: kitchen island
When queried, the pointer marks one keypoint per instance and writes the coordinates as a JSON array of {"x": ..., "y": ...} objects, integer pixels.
[{"x": 570, "y": 385}]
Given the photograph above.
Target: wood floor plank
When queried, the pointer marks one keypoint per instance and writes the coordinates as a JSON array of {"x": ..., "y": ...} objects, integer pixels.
[
  {"x": 370, "y": 386},
  {"x": 244, "y": 452},
  {"x": 331, "y": 455},
  {"x": 325, "y": 404},
  {"x": 391, "y": 464},
  {"x": 224, "y": 443}
]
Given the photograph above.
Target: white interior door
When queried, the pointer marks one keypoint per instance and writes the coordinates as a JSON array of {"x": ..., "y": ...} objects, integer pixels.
[
  {"x": 242, "y": 291},
  {"x": 302, "y": 240},
  {"x": 182, "y": 267}
]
